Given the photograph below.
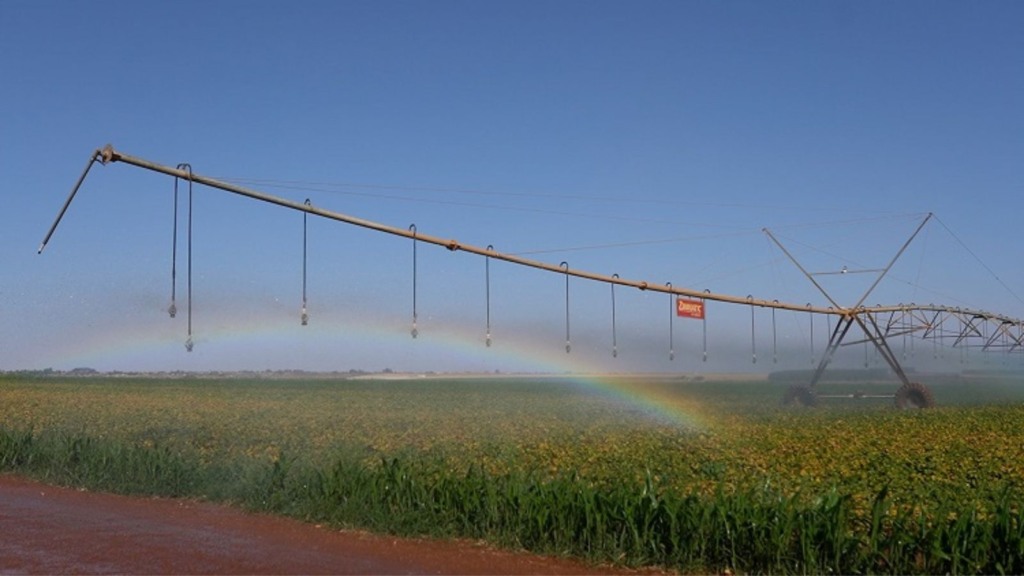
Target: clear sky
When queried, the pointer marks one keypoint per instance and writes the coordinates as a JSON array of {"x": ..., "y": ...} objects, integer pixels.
[{"x": 649, "y": 139}]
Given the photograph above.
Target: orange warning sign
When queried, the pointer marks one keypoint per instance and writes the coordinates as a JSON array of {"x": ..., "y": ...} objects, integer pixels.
[{"x": 690, "y": 308}]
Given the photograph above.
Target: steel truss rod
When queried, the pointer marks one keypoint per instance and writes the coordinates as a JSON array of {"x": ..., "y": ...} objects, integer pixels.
[
  {"x": 108, "y": 155},
  {"x": 881, "y": 273},
  {"x": 932, "y": 319},
  {"x": 1018, "y": 340},
  {"x": 969, "y": 328},
  {"x": 991, "y": 339},
  {"x": 874, "y": 332},
  {"x": 1002, "y": 330},
  {"x": 1005, "y": 334},
  {"x": 934, "y": 326},
  {"x": 97, "y": 156},
  {"x": 877, "y": 337},
  {"x": 838, "y": 333}
]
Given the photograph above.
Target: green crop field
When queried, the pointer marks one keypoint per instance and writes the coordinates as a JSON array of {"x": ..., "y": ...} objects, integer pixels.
[{"x": 694, "y": 476}]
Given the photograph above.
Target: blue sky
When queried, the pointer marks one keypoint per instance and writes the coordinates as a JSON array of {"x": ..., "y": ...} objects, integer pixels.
[{"x": 650, "y": 139}]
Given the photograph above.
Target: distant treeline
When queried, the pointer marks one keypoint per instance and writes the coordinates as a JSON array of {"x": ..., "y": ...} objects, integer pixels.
[
  {"x": 835, "y": 375},
  {"x": 884, "y": 374},
  {"x": 252, "y": 374}
]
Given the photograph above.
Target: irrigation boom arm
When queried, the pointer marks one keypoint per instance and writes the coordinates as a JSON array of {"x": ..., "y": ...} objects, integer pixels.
[{"x": 108, "y": 154}]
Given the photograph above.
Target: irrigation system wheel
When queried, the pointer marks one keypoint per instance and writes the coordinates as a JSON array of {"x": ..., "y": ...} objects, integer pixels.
[
  {"x": 914, "y": 395},
  {"x": 799, "y": 395}
]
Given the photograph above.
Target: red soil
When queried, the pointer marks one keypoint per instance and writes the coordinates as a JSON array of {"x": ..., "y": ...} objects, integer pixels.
[{"x": 49, "y": 530}]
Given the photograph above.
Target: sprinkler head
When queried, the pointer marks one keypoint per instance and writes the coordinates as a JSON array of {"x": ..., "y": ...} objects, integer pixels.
[
  {"x": 188, "y": 344},
  {"x": 172, "y": 310}
]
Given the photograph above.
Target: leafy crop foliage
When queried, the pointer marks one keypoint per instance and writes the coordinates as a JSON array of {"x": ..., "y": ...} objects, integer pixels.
[{"x": 718, "y": 476}]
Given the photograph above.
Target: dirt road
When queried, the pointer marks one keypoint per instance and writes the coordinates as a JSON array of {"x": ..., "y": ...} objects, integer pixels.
[{"x": 48, "y": 530}]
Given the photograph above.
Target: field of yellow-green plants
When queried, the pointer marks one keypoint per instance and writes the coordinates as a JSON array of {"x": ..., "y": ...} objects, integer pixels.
[{"x": 689, "y": 475}]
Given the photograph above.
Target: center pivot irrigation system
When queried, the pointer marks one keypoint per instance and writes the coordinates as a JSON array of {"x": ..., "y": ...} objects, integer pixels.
[{"x": 879, "y": 325}]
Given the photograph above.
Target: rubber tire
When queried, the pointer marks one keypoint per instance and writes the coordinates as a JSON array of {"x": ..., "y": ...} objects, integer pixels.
[
  {"x": 914, "y": 395},
  {"x": 799, "y": 395}
]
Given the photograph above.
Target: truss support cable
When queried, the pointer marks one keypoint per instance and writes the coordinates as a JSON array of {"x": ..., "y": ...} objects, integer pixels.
[
  {"x": 98, "y": 155},
  {"x": 415, "y": 331},
  {"x": 979, "y": 260},
  {"x": 304, "y": 317},
  {"x": 568, "y": 344},
  {"x": 800, "y": 267}
]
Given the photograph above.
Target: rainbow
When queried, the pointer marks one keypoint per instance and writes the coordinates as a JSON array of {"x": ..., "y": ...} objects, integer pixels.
[{"x": 229, "y": 342}]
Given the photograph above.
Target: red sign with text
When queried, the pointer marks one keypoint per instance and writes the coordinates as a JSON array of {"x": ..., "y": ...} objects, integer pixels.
[{"x": 690, "y": 308}]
